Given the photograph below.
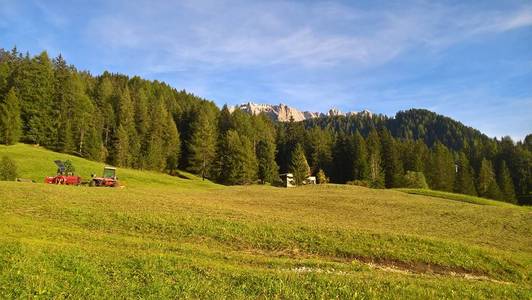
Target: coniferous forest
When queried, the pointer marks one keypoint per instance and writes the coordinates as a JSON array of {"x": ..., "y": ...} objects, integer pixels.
[{"x": 136, "y": 123}]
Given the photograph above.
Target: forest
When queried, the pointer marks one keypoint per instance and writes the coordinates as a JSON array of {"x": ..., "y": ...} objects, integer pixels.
[{"x": 142, "y": 124}]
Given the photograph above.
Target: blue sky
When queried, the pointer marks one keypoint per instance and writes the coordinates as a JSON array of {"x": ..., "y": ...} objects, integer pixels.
[{"x": 471, "y": 61}]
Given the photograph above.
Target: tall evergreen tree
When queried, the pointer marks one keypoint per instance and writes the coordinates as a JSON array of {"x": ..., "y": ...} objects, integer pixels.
[
  {"x": 393, "y": 169},
  {"x": 374, "y": 159},
  {"x": 237, "y": 162},
  {"x": 360, "y": 159},
  {"x": 121, "y": 147},
  {"x": 156, "y": 154},
  {"x": 464, "y": 182},
  {"x": 487, "y": 185},
  {"x": 298, "y": 165},
  {"x": 10, "y": 123},
  {"x": 130, "y": 150},
  {"x": 268, "y": 170},
  {"x": 202, "y": 145},
  {"x": 172, "y": 144},
  {"x": 441, "y": 170},
  {"x": 320, "y": 148},
  {"x": 505, "y": 183},
  {"x": 343, "y": 159},
  {"x": 33, "y": 82}
]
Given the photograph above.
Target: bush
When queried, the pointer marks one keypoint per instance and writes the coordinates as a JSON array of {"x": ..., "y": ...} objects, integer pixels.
[
  {"x": 415, "y": 180},
  {"x": 321, "y": 177},
  {"x": 8, "y": 169}
]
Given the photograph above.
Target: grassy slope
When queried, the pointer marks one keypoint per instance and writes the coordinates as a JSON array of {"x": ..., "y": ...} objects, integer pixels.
[
  {"x": 455, "y": 197},
  {"x": 164, "y": 236}
]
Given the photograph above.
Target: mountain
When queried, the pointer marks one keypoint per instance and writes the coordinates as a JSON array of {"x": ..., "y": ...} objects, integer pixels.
[{"x": 283, "y": 113}]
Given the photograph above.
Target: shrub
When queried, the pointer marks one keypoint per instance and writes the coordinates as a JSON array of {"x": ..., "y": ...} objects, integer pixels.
[
  {"x": 415, "y": 180},
  {"x": 8, "y": 169},
  {"x": 321, "y": 177}
]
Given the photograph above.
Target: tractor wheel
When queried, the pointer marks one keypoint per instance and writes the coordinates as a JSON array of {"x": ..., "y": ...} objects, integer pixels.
[{"x": 92, "y": 183}]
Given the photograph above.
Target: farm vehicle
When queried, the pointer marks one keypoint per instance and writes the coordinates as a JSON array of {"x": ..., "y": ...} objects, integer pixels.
[{"x": 65, "y": 176}]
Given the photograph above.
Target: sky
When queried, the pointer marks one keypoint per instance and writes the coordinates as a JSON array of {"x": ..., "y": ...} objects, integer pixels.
[{"x": 469, "y": 60}]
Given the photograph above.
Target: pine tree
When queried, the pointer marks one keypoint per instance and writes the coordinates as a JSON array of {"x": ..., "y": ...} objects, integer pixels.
[
  {"x": 202, "y": 145},
  {"x": 268, "y": 171},
  {"x": 343, "y": 159},
  {"x": 237, "y": 163},
  {"x": 360, "y": 160},
  {"x": 441, "y": 169},
  {"x": 298, "y": 165},
  {"x": 505, "y": 183},
  {"x": 374, "y": 159},
  {"x": 464, "y": 182},
  {"x": 34, "y": 84},
  {"x": 156, "y": 155},
  {"x": 225, "y": 121},
  {"x": 129, "y": 152},
  {"x": 10, "y": 122},
  {"x": 121, "y": 147},
  {"x": 249, "y": 161},
  {"x": 487, "y": 185},
  {"x": 172, "y": 144},
  {"x": 320, "y": 144},
  {"x": 104, "y": 101},
  {"x": 393, "y": 169}
]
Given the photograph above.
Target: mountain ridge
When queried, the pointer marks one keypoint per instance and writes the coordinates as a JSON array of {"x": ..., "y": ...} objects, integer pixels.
[{"x": 283, "y": 113}]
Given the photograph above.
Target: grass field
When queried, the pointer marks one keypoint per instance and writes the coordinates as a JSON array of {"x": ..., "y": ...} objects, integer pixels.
[
  {"x": 168, "y": 237},
  {"x": 456, "y": 197}
]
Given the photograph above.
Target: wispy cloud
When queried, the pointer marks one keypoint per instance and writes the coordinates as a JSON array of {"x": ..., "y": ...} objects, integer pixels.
[
  {"x": 287, "y": 33},
  {"x": 314, "y": 54}
]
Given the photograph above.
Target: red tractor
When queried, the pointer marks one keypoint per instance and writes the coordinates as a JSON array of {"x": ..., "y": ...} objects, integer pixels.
[
  {"x": 108, "y": 179},
  {"x": 62, "y": 176}
]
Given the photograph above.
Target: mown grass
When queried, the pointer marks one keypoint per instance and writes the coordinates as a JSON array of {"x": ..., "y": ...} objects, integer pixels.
[
  {"x": 168, "y": 237},
  {"x": 455, "y": 197}
]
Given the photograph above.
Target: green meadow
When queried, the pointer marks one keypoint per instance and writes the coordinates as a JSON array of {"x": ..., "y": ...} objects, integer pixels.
[{"x": 180, "y": 237}]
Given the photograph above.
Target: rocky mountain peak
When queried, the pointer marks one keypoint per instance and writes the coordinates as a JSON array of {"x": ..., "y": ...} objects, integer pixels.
[{"x": 283, "y": 112}]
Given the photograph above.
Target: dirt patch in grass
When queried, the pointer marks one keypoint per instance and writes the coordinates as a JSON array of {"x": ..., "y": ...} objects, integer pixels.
[{"x": 397, "y": 266}]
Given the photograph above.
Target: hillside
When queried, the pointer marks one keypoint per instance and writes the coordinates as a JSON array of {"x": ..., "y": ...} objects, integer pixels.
[{"x": 164, "y": 236}]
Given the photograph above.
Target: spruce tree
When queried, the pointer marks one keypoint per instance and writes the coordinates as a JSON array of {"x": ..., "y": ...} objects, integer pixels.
[
  {"x": 172, "y": 144},
  {"x": 343, "y": 156},
  {"x": 393, "y": 169},
  {"x": 487, "y": 185},
  {"x": 121, "y": 147},
  {"x": 237, "y": 162},
  {"x": 360, "y": 159},
  {"x": 505, "y": 183},
  {"x": 202, "y": 145},
  {"x": 130, "y": 151},
  {"x": 464, "y": 182},
  {"x": 320, "y": 144},
  {"x": 268, "y": 171},
  {"x": 374, "y": 159},
  {"x": 10, "y": 122},
  {"x": 156, "y": 154},
  {"x": 441, "y": 169},
  {"x": 34, "y": 84},
  {"x": 298, "y": 165}
]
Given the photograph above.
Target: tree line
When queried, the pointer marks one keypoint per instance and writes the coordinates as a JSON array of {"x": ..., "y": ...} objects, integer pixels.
[{"x": 136, "y": 123}]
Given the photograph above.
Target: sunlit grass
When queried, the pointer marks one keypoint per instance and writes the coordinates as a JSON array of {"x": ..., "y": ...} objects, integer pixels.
[{"x": 167, "y": 237}]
